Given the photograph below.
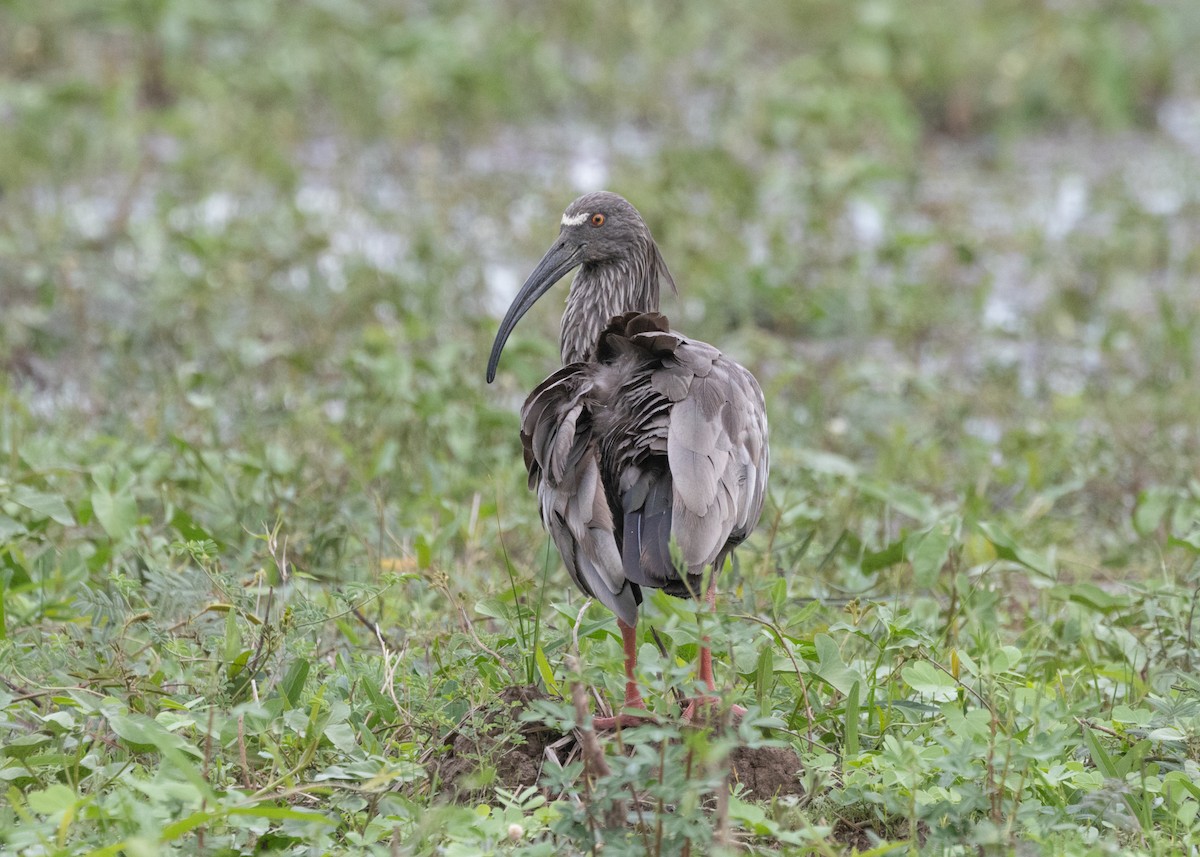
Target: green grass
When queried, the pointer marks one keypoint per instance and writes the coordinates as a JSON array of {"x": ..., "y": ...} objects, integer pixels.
[{"x": 265, "y": 545}]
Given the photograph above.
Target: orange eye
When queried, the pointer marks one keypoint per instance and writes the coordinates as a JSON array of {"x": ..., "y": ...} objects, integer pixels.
[{"x": 597, "y": 219}]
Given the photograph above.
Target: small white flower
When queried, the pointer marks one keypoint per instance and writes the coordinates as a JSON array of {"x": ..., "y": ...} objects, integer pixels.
[{"x": 515, "y": 832}]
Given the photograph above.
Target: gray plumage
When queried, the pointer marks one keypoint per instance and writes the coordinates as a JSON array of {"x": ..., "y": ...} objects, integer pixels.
[{"x": 648, "y": 450}]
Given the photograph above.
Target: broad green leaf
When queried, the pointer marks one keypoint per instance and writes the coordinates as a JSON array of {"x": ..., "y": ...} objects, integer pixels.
[
  {"x": 1004, "y": 658},
  {"x": 14, "y": 569},
  {"x": 341, "y": 735},
  {"x": 1187, "y": 812},
  {"x": 883, "y": 558},
  {"x": 187, "y": 527},
  {"x": 1091, "y": 595},
  {"x": 139, "y": 729},
  {"x": 233, "y": 639},
  {"x": 832, "y": 668},
  {"x": 1190, "y": 539},
  {"x": 928, "y": 551},
  {"x": 142, "y": 733},
  {"x": 60, "y": 721},
  {"x": 10, "y": 528},
  {"x": 56, "y": 798},
  {"x": 752, "y": 816},
  {"x": 973, "y": 725},
  {"x": 23, "y": 746},
  {"x": 1180, "y": 780},
  {"x": 924, "y": 677},
  {"x": 493, "y": 608},
  {"x": 1007, "y": 548},
  {"x": 292, "y": 685},
  {"x": 1152, "y": 506},
  {"x": 1132, "y": 716},
  {"x": 1133, "y": 649},
  {"x": 905, "y": 500},
  {"x": 424, "y": 551},
  {"x": 117, "y": 513},
  {"x": 1132, "y": 759},
  {"x": 187, "y": 824},
  {"x": 49, "y": 506},
  {"x": 132, "y": 729}
]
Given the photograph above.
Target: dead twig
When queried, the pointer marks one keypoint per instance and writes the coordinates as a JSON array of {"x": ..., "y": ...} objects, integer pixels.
[
  {"x": 391, "y": 662},
  {"x": 595, "y": 765}
]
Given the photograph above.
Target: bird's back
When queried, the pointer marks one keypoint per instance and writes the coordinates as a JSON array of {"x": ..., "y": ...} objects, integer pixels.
[{"x": 650, "y": 461}]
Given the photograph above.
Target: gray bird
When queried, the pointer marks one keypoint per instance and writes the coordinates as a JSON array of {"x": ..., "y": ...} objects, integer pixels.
[{"x": 648, "y": 450}]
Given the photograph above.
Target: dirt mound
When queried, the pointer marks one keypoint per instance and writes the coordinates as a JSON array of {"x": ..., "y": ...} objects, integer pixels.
[
  {"x": 492, "y": 748},
  {"x": 767, "y": 772}
]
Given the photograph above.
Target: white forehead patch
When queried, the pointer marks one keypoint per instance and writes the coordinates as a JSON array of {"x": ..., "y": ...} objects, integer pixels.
[{"x": 575, "y": 220}]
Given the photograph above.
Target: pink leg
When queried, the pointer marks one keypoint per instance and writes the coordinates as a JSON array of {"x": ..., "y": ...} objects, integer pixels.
[
  {"x": 633, "y": 698},
  {"x": 705, "y": 671}
]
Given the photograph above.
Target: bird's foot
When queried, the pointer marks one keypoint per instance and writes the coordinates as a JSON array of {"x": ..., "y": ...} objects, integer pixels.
[
  {"x": 704, "y": 710},
  {"x": 624, "y": 720},
  {"x": 633, "y": 713}
]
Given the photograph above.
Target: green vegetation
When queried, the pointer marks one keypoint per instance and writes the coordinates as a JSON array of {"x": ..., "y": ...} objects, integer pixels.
[{"x": 269, "y": 573}]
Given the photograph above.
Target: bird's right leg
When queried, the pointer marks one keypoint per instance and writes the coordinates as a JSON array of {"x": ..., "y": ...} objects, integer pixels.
[
  {"x": 705, "y": 672},
  {"x": 633, "y": 697}
]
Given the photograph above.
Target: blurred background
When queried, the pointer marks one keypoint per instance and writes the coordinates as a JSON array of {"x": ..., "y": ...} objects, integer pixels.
[{"x": 252, "y": 257}]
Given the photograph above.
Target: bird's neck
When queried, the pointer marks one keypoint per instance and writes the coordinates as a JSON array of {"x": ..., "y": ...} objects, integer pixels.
[{"x": 599, "y": 292}]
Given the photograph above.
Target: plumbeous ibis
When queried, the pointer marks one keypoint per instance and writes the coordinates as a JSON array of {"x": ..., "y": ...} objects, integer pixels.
[{"x": 648, "y": 450}]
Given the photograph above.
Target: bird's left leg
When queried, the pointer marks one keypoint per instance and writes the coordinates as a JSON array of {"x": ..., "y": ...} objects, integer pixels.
[
  {"x": 705, "y": 671},
  {"x": 633, "y": 697}
]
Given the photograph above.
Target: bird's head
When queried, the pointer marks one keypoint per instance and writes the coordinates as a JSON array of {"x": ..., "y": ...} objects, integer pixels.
[
  {"x": 602, "y": 227},
  {"x": 597, "y": 229}
]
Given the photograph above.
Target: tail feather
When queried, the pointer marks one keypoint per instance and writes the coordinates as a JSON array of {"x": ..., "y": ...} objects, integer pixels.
[{"x": 646, "y": 543}]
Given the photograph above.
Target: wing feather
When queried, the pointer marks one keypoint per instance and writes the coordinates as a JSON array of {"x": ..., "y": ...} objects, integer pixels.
[
  {"x": 650, "y": 463},
  {"x": 556, "y": 432}
]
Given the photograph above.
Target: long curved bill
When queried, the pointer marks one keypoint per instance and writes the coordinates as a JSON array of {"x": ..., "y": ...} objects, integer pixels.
[{"x": 558, "y": 260}]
